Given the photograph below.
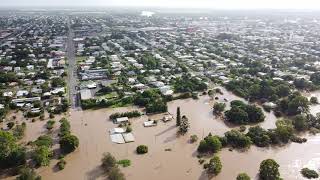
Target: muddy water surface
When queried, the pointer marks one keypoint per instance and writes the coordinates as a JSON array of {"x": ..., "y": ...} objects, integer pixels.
[{"x": 181, "y": 162}]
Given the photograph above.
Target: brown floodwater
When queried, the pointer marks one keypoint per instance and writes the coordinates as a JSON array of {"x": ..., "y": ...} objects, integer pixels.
[{"x": 181, "y": 162}]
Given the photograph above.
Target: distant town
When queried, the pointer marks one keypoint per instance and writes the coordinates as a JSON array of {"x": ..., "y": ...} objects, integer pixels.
[{"x": 157, "y": 94}]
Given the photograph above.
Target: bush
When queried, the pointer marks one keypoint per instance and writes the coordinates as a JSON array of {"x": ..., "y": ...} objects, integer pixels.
[
  {"x": 124, "y": 162},
  {"x": 242, "y": 128},
  {"x": 193, "y": 138},
  {"x": 314, "y": 131},
  {"x": 129, "y": 129},
  {"x": 19, "y": 130},
  {"x": 218, "y": 107},
  {"x": 116, "y": 174},
  {"x": 69, "y": 143},
  {"x": 243, "y": 176},
  {"x": 28, "y": 174},
  {"x": 61, "y": 164},
  {"x": 201, "y": 161},
  {"x": 10, "y": 125},
  {"x": 51, "y": 116},
  {"x": 44, "y": 140},
  {"x": 195, "y": 96},
  {"x": 142, "y": 149},
  {"x": 130, "y": 114},
  {"x": 308, "y": 173},
  {"x": 297, "y": 139},
  {"x": 42, "y": 156},
  {"x": 50, "y": 124},
  {"x": 64, "y": 127},
  {"x": 300, "y": 122},
  {"x": 314, "y": 100}
]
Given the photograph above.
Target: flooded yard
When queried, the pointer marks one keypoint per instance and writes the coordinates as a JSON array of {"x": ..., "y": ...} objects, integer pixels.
[{"x": 180, "y": 162}]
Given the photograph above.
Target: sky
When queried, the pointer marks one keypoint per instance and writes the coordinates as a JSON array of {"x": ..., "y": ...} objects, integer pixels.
[{"x": 215, "y": 4}]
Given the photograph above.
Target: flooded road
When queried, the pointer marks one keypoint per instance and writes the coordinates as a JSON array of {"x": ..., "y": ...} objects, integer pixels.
[{"x": 181, "y": 162}]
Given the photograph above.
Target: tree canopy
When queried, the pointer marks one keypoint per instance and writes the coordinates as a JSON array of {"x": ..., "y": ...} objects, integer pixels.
[{"x": 269, "y": 170}]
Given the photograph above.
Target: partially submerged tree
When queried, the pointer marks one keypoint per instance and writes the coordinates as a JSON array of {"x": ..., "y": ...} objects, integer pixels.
[
  {"x": 178, "y": 117},
  {"x": 184, "y": 126},
  {"x": 214, "y": 166},
  {"x": 42, "y": 156},
  {"x": 218, "y": 108},
  {"x": 108, "y": 162},
  {"x": 28, "y": 174},
  {"x": 243, "y": 176},
  {"x": 269, "y": 170},
  {"x": 69, "y": 143}
]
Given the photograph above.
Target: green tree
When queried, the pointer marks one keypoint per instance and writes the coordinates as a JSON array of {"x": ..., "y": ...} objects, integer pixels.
[
  {"x": 184, "y": 126},
  {"x": 19, "y": 130},
  {"x": 314, "y": 100},
  {"x": 243, "y": 176},
  {"x": 178, "y": 117},
  {"x": 210, "y": 144},
  {"x": 255, "y": 90},
  {"x": 50, "y": 124},
  {"x": 269, "y": 170},
  {"x": 300, "y": 122},
  {"x": 64, "y": 127},
  {"x": 309, "y": 173},
  {"x": 298, "y": 104},
  {"x": 284, "y": 130},
  {"x": 58, "y": 82},
  {"x": 116, "y": 174},
  {"x": 108, "y": 162},
  {"x": 44, "y": 140},
  {"x": 69, "y": 143},
  {"x": 315, "y": 78},
  {"x": 11, "y": 154},
  {"x": 255, "y": 114},
  {"x": 61, "y": 164},
  {"x": 28, "y": 174},
  {"x": 218, "y": 107},
  {"x": 238, "y": 103},
  {"x": 214, "y": 166},
  {"x": 237, "y": 115},
  {"x": 259, "y": 136},
  {"x": 42, "y": 156},
  {"x": 283, "y": 90},
  {"x": 237, "y": 139}
]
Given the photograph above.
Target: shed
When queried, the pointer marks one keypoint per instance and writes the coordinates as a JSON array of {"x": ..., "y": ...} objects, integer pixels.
[
  {"x": 149, "y": 123},
  {"x": 85, "y": 94},
  {"x": 121, "y": 120},
  {"x": 117, "y": 138},
  {"x": 116, "y": 131},
  {"x": 128, "y": 137}
]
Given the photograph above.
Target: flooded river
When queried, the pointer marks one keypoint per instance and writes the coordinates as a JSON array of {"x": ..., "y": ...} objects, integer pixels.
[{"x": 181, "y": 162}]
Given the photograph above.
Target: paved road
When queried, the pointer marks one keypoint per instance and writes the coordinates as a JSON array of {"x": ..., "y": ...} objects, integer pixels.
[{"x": 72, "y": 70}]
